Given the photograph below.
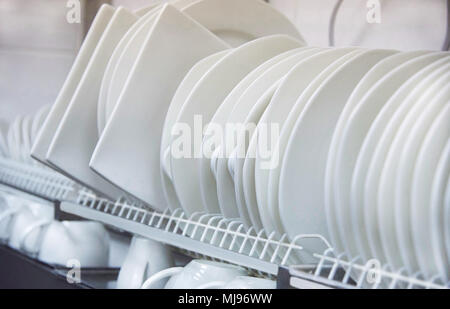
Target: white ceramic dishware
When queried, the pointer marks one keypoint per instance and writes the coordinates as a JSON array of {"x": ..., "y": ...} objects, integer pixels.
[
  {"x": 352, "y": 138},
  {"x": 204, "y": 101},
  {"x": 128, "y": 151},
  {"x": 45, "y": 136},
  {"x": 301, "y": 186},
  {"x": 244, "y": 116},
  {"x": 383, "y": 168},
  {"x": 145, "y": 258},
  {"x": 60, "y": 243},
  {"x": 180, "y": 96},
  {"x": 438, "y": 209},
  {"x": 207, "y": 164},
  {"x": 427, "y": 161},
  {"x": 398, "y": 168},
  {"x": 195, "y": 274},
  {"x": 76, "y": 137},
  {"x": 295, "y": 82},
  {"x": 372, "y": 155},
  {"x": 241, "y": 283}
]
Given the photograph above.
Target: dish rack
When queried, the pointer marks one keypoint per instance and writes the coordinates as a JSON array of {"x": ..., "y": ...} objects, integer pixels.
[{"x": 213, "y": 237}]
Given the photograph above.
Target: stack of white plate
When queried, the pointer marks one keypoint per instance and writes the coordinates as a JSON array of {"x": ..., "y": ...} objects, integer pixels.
[{"x": 217, "y": 106}]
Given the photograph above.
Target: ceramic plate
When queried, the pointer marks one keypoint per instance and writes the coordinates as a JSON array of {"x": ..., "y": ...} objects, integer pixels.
[
  {"x": 256, "y": 96},
  {"x": 45, "y": 136},
  {"x": 204, "y": 101},
  {"x": 208, "y": 184},
  {"x": 313, "y": 82},
  {"x": 438, "y": 208},
  {"x": 75, "y": 139},
  {"x": 393, "y": 141},
  {"x": 301, "y": 186},
  {"x": 127, "y": 153},
  {"x": 280, "y": 106},
  {"x": 424, "y": 170},
  {"x": 182, "y": 93},
  {"x": 251, "y": 19},
  {"x": 389, "y": 197},
  {"x": 371, "y": 149},
  {"x": 352, "y": 138},
  {"x": 123, "y": 51}
]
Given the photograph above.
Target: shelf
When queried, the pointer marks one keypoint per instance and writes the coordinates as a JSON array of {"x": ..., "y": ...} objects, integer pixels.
[{"x": 213, "y": 237}]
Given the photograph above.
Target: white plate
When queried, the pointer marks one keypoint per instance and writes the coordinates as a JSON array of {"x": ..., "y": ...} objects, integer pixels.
[
  {"x": 182, "y": 93},
  {"x": 312, "y": 82},
  {"x": 144, "y": 10},
  {"x": 251, "y": 19},
  {"x": 127, "y": 153},
  {"x": 391, "y": 193},
  {"x": 386, "y": 160},
  {"x": 236, "y": 162},
  {"x": 424, "y": 170},
  {"x": 255, "y": 97},
  {"x": 371, "y": 149},
  {"x": 447, "y": 218},
  {"x": 134, "y": 37},
  {"x": 296, "y": 81},
  {"x": 75, "y": 139},
  {"x": 45, "y": 136},
  {"x": 204, "y": 101},
  {"x": 238, "y": 22},
  {"x": 26, "y": 138},
  {"x": 438, "y": 209},
  {"x": 123, "y": 60},
  {"x": 301, "y": 187},
  {"x": 352, "y": 138},
  {"x": 208, "y": 184}
]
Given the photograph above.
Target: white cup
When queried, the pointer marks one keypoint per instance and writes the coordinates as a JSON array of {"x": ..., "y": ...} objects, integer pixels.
[
  {"x": 195, "y": 274},
  {"x": 19, "y": 224},
  {"x": 60, "y": 242},
  {"x": 145, "y": 257},
  {"x": 241, "y": 282}
]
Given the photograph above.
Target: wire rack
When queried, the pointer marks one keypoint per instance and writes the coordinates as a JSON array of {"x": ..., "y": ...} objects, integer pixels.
[
  {"x": 212, "y": 236},
  {"x": 35, "y": 180}
]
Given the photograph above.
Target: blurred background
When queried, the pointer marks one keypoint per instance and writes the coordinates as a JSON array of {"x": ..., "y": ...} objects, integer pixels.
[{"x": 38, "y": 45}]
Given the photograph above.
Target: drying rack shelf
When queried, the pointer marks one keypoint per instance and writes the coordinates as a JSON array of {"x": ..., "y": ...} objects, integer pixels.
[{"x": 210, "y": 236}]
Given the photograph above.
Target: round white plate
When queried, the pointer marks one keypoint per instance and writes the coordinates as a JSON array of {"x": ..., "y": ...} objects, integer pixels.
[
  {"x": 313, "y": 82},
  {"x": 204, "y": 101},
  {"x": 447, "y": 218},
  {"x": 353, "y": 134},
  {"x": 207, "y": 165},
  {"x": 182, "y": 93},
  {"x": 301, "y": 186},
  {"x": 438, "y": 210},
  {"x": 371, "y": 151},
  {"x": 395, "y": 166},
  {"x": 226, "y": 185},
  {"x": 281, "y": 105},
  {"x": 236, "y": 163},
  {"x": 424, "y": 170}
]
